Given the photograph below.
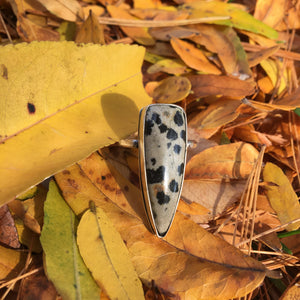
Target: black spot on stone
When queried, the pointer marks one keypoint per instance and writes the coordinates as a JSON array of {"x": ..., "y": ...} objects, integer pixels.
[
  {"x": 148, "y": 127},
  {"x": 156, "y": 118},
  {"x": 173, "y": 186},
  {"x": 31, "y": 108},
  {"x": 162, "y": 198},
  {"x": 155, "y": 176},
  {"x": 177, "y": 149},
  {"x": 169, "y": 145},
  {"x": 163, "y": 128},
  {"x": 180, "y": 169},
  {"x": 153, "y": 161},
  {"x": 178, "y": 119},
  {"x": 183, "y": 135},
  {"x": 172, "y": 134}
]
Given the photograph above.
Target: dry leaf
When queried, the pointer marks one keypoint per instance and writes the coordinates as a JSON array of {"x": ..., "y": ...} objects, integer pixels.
[
  {"x": 91, "y": 31},
  {"x": 206, "y": 85},
  {"x": 281, "y": 195},
  {"x": 234, "y": 161},
  {"x": 193, "y": 57},
  {"x": 172, "y": 89}
]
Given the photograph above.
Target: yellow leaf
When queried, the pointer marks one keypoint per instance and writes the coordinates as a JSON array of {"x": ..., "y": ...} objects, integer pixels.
[
  {"x": 273, "y": 69},
  {"x": 11, "y": 263},
  {"x": 238, "y": 18},
  {"x": 172, "y": 89},
  {"x": 60, "y": 102},
  {"x": 282, "y": 196},
  {"x": 63, "y": 263},
  {"x": 105, "y": 254}
]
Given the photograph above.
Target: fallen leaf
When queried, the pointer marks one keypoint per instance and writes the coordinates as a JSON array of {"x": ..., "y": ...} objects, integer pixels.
[
  {"x": 238, "y": 18},
  {"x": 193, "y": 57},
  {"x": 215, "y": 195},
  {"x": 29, "y": 31},
  {"x": 140, "y": 35},
  {"x": 225, "y": 42},
  {"x": 281, "y": 195},
  {"x": 68, "y": 10},
  {"x": 106, "y": 256},
  {"x": 273, "y": 68},
  {"x": 217, "y": 114},
  {"x": 207, "y": 85},
  {"x": 55, "y": 123},
  {"x": 172, "y": 89},
  {"x": 254, "y": 58},
  {"x": 63, "y": 263},
  {"x": 11, "y": 263},
  {"x": 234, "y": 161},
  {"x": 8, "y": 232},
  {"x": 270, "y": 12},
  {"x": 91, "y": 31}
]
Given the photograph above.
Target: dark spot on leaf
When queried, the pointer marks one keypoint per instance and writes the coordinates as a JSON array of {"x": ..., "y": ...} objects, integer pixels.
[
  {"x": 86, "y": 132},
  {"x": 4, "y": 72},
  {"x": 126, "y": 188},
  {"x": 31, "y": 108},
  {"x": 162, "y": 198},
  {"x": 103, "y": 177}
]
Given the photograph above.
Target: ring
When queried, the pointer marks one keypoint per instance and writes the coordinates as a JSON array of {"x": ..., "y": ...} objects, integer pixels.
[{"x": 162, "y": 147}]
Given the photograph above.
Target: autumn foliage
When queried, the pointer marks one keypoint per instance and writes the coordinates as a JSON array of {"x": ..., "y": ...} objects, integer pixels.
[{"x": 69, "y": 106}]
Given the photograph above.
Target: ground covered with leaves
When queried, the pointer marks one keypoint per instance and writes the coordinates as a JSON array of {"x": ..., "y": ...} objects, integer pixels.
[{"x": 69, "y": 102}]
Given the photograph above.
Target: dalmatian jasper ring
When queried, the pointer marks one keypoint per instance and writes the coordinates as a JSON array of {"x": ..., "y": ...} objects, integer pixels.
[{"x": 162, "y": 155}]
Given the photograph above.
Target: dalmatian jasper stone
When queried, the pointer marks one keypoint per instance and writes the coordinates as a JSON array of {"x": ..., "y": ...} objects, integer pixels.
[{"x": 162, "y": 138}]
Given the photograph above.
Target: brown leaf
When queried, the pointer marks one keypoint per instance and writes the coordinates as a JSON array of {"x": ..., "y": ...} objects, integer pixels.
[
  {"x": 207, "y": 85},
  {"x": 225, "y": 43},
  {"x": 234, "y": 161},
  {"x": 91, "y": 31},
  {"x": 8, "y": 232},
  {"x": 29, "y": 31}
]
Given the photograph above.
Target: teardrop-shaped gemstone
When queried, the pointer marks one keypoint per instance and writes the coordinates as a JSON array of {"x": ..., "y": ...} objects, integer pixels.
[{"x": 162, "y": 154}]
